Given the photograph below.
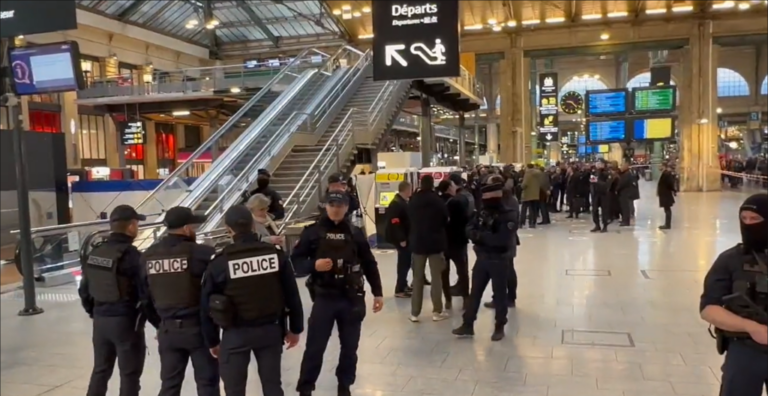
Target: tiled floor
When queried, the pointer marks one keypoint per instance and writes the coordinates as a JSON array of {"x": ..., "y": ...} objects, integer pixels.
[{"x": 578, "y": 291}]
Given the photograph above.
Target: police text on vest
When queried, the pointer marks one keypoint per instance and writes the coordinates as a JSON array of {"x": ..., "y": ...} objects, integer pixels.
[
  {"x": 335, "y": 237},
  {"x": 166, "y": 266},
  {"x": 100, "y": 261},
  {"x": 251, "y": 266}
]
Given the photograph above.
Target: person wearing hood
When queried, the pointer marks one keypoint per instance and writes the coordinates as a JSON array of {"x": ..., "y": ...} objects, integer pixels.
[
  {"x": 735, "y": 302},
  {"x": 337, "y": 183},
  {"x": 276, "y": 208}
]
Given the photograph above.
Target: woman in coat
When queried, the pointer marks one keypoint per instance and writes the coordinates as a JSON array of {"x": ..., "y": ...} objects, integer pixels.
[
  {"x": 666, "y": 192},
  {"x": 264, "y": 225}
]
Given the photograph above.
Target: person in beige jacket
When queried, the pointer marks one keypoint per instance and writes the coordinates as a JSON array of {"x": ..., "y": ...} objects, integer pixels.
[{"x": 530, "y": 196}]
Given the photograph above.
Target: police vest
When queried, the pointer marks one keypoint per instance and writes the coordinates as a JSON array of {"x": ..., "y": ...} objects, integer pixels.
[
  {"x": 170, "y": 277},
  {"x": 253, "y": 280},
  {"x": 340, "y": 248},
  {"x": 751, "y": 280},
  {"x": 105, "y": 284}
]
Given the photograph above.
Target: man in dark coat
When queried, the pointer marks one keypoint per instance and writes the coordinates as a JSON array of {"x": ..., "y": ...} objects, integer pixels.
[
  {"x": 624, "y": 189},
  {"x": 397, "y": 233},
  {"x": 666, "y": 191},
  {"x": 428, "y": 216}
]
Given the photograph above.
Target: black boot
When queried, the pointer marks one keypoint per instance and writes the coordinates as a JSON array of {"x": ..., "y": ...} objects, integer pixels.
[
  {"x": 344, "y": 390},
  {"x": 465, "y": 330},
  {"x": 604, "y": 229},
  {"x": 570, "y": 216},
  {"x": 305, "y": 393},
  {"x": 498, "y": 332},
  {"x": 596, "y": 229}
]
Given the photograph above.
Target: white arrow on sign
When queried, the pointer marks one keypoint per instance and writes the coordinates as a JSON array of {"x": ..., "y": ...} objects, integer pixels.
[
  {"x": 390, "y": 52},
  {"x": 549, "y": 136}
]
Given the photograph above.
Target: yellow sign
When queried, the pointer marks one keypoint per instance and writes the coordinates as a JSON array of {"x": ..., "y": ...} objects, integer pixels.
[
  {"x": 385, "y": 198},
  {"x": 389, "y": 177}
]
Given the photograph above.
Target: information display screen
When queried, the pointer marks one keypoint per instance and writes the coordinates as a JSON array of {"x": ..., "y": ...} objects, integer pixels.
[
  {"x": 132, "y": 133},
  {"x": 48, "y": 68},
  {"x": 654, "y": 99},
  {"x": 603, "y": 148},
  {"x": 584, "y": 150},
  {"x": 653, "y": 128},
  {"x": 607, "y": 131},
  {"x": 607, "y": 103}
]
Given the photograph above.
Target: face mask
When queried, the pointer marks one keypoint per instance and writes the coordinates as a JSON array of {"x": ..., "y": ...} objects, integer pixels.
[
  {"x": 262, "y": 183},
  {"x": 755, "y": 236}
]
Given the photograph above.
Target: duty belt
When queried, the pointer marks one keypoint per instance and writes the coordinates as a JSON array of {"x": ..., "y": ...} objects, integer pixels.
[{"x": 180, "y": 323}]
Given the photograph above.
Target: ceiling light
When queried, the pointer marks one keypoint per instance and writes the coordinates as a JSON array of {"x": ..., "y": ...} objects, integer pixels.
[
  {"x": 188, "y": 26},
  {"x": 496, "y": 28},
  {"x": 744, "y": 5},
  {"x": 555, "y": 20},
  {"x": 719, "y": 110},
  {"x": 366, "y": 10},
  {"x": 511, "y": 23},
  {"x": 724, "y": 5},
  {"x": 591, "y": 17},
  {"x": 682, "y": 8},
  {"x": 210, "y": 26},
  {"x": 473, "y": 27},
  {"x": 656, "y": 11},
  {"x": 346, "y": 7},
  {"x": 586, "y": 76},
  {"x": 193, "y": 22},
  {"x": 20, "y": 37},
  {"x": 531, "y": 22},
  {"x": 365, "y": 36},
  {"x": 337, "y": 12},
  {"x": 492, "y": 22},
  {"x": 702, "y": 121},
  {"x": 179, "y": 113},
  {"x": 214, "y": 22},
  {"x": 357, "y": 14},
  {"x": 596, "y": 76},
  {"x": 618, "y": 14},
  {"x": 235, "y": 90},
  {"x": 605, "y": 36}
]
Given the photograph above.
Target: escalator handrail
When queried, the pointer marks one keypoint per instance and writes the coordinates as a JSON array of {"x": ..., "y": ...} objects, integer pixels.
[
  {"x": 222, "y": 130},
  {"x": 248, "y": 175},
  {"x": 58, "y": 229},
  {"x": 361, "y": 65}
]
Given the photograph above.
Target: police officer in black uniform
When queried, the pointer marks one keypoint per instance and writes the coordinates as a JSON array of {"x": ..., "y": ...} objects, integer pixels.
[
  {"x": 600, "y": 184},
  {"x": 248, "y": 291},
  {"x": 175, "y": 267},
  {"x": 492, "y": 233},
  {"x": 113, "y": 293},
  {"x": 341, "y": 257},
  {"x": 735, "y": 302}
]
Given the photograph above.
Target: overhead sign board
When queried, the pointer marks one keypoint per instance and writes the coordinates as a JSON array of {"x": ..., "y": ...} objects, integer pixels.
[
  {"x": 548, "y": 110},
  {"x": 46, "y": 68},
  {"x": 132, "y": 133},
  {"x": 414, "y": 40},
  {"x": 606, "y": 102},
  {"x": 608, "y": 131},
  {"x": 654, "y": 99},
  {"x": 660, "y": 128},
  {"x": 25, "y": 17}
]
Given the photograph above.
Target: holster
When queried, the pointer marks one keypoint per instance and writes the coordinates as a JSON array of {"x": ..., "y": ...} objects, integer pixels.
[
  {"x": 722, "y": 342},
  {"x": 222, "y": 311},
  {"x": 310, "y": 284}
]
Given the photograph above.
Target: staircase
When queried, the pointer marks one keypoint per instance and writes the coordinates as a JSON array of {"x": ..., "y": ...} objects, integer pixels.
[
  {"x": 291, "y": 172},
  {"x": 298, "y": 104}
]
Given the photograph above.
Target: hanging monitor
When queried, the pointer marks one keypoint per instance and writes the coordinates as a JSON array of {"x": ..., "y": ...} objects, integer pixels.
[
  {"x": 609, "y": 102},
  {"x": 655, "y": 99},
  {"x": 607, "y": 131},
  {"x": 603, "y": 148},
  {"x": 47, "y": 68},
  {"x": 657, "y": 128}
]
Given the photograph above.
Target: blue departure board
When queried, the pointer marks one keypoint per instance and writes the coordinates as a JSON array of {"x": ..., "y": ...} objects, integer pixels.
[
  {"x": 607, "y": 131},
  {"x": 581, "y": 139},
  {"x": 605, "y": 103}
]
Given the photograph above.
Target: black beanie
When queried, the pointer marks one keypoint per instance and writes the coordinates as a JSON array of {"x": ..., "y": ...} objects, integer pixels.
[
  {"x": 757, "y": 203},
  {"x": 755, "y": 236},
  {"x": 427, "y": 182}
]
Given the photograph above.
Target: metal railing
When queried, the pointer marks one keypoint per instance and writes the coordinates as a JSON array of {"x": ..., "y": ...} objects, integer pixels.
[
  {"x": 198, "y": 80},
  {"x": 362, "y": 60},
  {"x": 342, "y": 140}
]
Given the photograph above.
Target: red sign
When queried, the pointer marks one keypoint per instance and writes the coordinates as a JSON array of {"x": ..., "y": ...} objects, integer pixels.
[{"x": 438, "y": 176}]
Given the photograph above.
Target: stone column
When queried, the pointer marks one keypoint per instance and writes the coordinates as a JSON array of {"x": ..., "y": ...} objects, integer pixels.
[
  {"x": 150, "y": 152},
  {"x": 462, "y": 140},
  {"x": 70, "y": 126},
  {"x": 697, "y": 123},
  {"x": 515, "y": 106},
  {"x": 427, "y": 144},
  {"x": 616, "y": 152}
]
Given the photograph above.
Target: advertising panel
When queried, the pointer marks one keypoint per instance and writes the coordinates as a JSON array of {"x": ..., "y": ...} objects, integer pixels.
[{"x": 415, "y": 40}]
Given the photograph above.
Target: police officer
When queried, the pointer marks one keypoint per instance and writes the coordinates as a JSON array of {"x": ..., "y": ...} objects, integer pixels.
[
  {"x": 175, "y": 267},
  {"x": 341, "y": 257},
  {"x": 113, "y": 294},
  {"x": 248, "y": 290},
  {"x": 735, "y": 301},
  {"x": 492, "y": 233},
  {"x": 337, "y": 183},
  {"x": 600, "y": 184}
]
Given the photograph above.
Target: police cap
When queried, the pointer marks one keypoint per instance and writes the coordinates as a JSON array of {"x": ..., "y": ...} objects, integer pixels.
[
  {"x": 456, "y": 179},
  {"x": 180, "y": 216},
  {"x": 238, "y": 218},
  {"x": 125, "y": 213},
  {"x": 336, "y": 197}
]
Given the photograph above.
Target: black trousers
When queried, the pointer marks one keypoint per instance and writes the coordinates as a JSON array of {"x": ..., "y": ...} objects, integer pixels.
[
  {"x": 668, "y": 216},
  {"x": 625, "y": 205},
  {"x": 601, "y": 211},
  {"x": 403, "y": 268},
  {"x": 458, "y": 255},
  {"x": 529, "y": 210},
  {"x": 115, "y": 338},
  {"x": 180, "y": 341},
  {"x": 493, "y": 271},
  {"x": 266, "y": 345},
  {"x": 544, "y": 210},
  {"x": 576, "y": 206},
  {"x": 745, "y": 371}
]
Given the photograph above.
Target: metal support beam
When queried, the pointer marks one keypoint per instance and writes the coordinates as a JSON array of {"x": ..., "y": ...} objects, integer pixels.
[
  {"x": 213, "y": 40},
  {"x": 130, "y": 10},
  {"x": 258, "y": 22},
  {"x": 318, "y": 21}
]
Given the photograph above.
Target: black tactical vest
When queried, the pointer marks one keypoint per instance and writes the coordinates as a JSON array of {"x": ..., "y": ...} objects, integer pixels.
[
  {"x": 170, "y": 277},
  {"x": 105, "y": 284},
  {"x": 342, "y": 250},
  {"x": 253, "y": 280},
  {"x": 752, "y": 281}
]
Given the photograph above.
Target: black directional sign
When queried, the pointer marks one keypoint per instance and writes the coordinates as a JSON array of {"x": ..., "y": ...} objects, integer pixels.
[
  {"x": 414, "y": 40},
  {"x": 548, "y": 110}
]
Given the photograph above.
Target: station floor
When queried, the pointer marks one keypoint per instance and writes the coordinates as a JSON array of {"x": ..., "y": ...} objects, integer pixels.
[{"x": 611, "y": 314}]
